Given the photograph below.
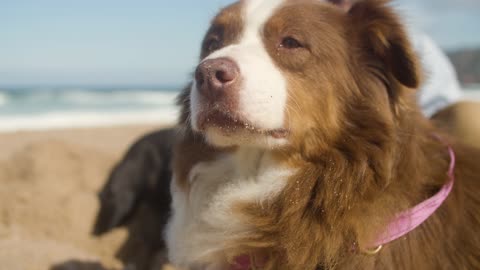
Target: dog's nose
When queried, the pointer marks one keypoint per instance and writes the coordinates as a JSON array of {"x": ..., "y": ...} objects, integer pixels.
[{"x": 213, "y": 76}]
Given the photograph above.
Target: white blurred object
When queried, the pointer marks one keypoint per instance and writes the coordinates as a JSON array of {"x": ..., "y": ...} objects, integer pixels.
[{"x": 441, "y": 87}]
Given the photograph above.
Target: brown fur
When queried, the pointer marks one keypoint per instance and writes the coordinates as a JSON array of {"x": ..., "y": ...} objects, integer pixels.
[
  {"x": 226, "y": 29},
  {"x": 362, "y": 149}
]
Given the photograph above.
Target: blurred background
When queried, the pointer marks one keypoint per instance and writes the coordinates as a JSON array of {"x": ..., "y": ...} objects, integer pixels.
[{"x": 84, "y": 63}]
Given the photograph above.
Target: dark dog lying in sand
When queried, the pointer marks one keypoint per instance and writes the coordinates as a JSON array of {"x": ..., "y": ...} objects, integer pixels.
[{"x": 137, "y": 195}]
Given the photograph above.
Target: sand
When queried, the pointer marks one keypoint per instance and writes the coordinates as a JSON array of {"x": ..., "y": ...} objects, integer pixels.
[{"x": 48, "y": 186}]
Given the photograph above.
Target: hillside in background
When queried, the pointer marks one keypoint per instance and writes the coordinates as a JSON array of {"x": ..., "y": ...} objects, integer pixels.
[{"x": 467, "y": 64}]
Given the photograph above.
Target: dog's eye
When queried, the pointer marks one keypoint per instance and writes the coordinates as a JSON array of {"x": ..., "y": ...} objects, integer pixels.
[
  {"x": 212, "y": 44},
  {"x": 290, "y": 43}
]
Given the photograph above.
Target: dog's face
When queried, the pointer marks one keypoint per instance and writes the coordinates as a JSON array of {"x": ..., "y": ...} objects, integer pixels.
[{"x": 276, "y": 72}]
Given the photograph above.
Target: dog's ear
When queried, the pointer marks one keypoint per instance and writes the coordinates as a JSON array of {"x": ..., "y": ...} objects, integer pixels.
[
  {"x": 123, "y": 191},
  {"x": 144, "y": 169},
  {"x": 383, "y": 37},
  {"x": 342, "y": 4}
]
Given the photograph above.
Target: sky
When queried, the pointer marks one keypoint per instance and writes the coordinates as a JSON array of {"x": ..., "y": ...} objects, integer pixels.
[{"x": 154, "y": 42}]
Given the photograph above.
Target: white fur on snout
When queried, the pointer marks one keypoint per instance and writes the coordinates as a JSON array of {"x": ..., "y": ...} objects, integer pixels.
[
  {"x": 263, "y": 93},
  {"x": 195, "y": 106}
]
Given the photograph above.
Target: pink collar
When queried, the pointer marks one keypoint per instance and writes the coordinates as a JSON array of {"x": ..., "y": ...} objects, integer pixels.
[
  {"x": 403, "y": 223},
  {"x": 410, "y": 219}
]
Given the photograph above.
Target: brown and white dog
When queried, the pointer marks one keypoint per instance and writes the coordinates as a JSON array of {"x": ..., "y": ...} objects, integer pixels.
[{"x": 300, "y": 141}]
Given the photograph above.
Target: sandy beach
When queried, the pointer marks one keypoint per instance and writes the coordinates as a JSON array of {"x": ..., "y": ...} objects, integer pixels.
[{"x": 48, "y": 186}]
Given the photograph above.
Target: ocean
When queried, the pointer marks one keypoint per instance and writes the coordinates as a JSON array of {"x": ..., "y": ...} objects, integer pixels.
[{"x": 38, "y": 108}]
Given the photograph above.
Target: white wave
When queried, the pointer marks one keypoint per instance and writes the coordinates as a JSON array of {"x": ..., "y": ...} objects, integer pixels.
[
  {"x": 156, "y": 97},
  {"x": 135, "y": 97},
  {"x": 56, "y": 120}
]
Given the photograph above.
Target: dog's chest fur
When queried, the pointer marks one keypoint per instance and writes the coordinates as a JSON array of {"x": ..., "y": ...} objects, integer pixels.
[{"x": 203, "y": 217}]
